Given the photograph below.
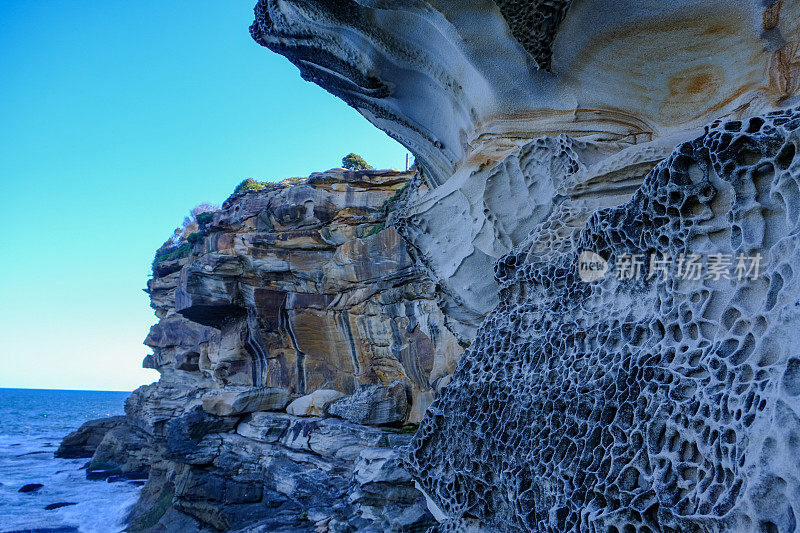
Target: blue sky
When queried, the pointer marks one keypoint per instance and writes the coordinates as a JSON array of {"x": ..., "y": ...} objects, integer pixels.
[{"x": 117, "y": 118}]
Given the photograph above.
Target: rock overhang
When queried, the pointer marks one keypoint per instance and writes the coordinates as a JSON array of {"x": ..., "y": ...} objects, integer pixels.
[
  {"x": 534, "y": 124},
  {"x": 462, "y": 84}
]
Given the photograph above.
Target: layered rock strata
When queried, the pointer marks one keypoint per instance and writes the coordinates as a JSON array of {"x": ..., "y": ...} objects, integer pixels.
[
  {"x": 546, "y": 130},
  {"x": 303, "y": 286},
  {"x": 267, "y": 471},
  {"x": 299, "y": 303}
]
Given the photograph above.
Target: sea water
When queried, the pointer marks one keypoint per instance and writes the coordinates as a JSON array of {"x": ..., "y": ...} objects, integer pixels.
[{"x": 32, "y": 424}]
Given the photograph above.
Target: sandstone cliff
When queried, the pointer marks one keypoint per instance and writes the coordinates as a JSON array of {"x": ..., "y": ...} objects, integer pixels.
[
  {"x": 298, "y": 344},
  {"x": 302, "y": 286},
  {"x": 316, "y": 320},
  {"x": 549, "y": 129}
]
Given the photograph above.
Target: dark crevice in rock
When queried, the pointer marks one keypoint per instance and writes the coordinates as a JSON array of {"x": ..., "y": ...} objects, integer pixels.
[
  {"x": 286, "y": 325},
  {"x": 534, "y": 25}
]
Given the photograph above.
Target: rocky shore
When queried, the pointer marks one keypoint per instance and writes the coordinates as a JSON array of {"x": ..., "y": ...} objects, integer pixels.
[
  {"x": 299, "y": 345},
  {"x": 309, "y": 326}
]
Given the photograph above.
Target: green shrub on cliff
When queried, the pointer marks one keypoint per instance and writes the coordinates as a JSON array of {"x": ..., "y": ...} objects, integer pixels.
[
  {"x": 389, "y": 205},
  {"x": 399, "y": 193},
  {"x": 355, "y": 162},
  {"x": 172, "y": 253},
  {"x": 195, "y": 237},
  {"x": 249, "y": 185},
  {"x": 204, "y": 219},
  {"x": 375, "y": 229}
]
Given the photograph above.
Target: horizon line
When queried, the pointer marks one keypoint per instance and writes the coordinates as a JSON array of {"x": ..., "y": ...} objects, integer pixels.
[{"x": 64, "y": 390}]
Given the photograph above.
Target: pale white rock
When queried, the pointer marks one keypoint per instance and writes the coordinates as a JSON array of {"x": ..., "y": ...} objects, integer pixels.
[
  {"x": 460, "y": 229},
  {"x": 313, "y": 404},
  {"x": 547, "y": 128},
  {"x": 462, "y": 85}
]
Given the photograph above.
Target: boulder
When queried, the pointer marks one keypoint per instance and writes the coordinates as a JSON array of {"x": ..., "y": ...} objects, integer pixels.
[
  {"x": 243, "y": 400},
  {"x": 313, "y": 404},
  {"x": 185, "y": 435},
  {"x": 59, "y": 505},
  {"x": 374, "y": 405},
  {"x": 81, "y": 444},
  {"x": 124, "y": 454}
]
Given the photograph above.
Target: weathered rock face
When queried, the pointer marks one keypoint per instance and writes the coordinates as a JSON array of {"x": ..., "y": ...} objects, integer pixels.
[
  {"x": 466, "y": 86},
  {"x": 298, "y": 295},
  {"x": 301, "y": 287},
  {"x": 548, "y": 129},
  {"x": 636, "y": 403},
  {"x": 550, "y": 186}
]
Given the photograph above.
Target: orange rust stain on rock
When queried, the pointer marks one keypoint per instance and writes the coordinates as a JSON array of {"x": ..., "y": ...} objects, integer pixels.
[
  {"x": 702, "y": 83},
  {"x": 784, "y": 71},
  {"x": 718, "y": 30},
  {"x": 699, "y": 82}
]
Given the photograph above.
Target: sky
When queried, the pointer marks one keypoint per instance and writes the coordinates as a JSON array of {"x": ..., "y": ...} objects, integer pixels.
[{"x": 116, "y": 118}]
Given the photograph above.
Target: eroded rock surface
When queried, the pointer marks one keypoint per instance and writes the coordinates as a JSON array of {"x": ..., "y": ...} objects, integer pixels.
[
  {"x": 298, "y": 295},
  {"x": 660, "y": 404},
  {"x": 462, "y": 84},
  {"x": 480, "y": 91},
  {"x": 546, "y": 129},
  {"x": 302, "y": 287}
]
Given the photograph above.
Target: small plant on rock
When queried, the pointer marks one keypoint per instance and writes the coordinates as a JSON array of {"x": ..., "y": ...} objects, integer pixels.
[
  {"x": 375, "y": 229},
  {"x": 249, "y": 185},
  {"x": 355, "y": 162},
  {"x": 190, "y": 232},
  {"x": 204, "y": 219}
]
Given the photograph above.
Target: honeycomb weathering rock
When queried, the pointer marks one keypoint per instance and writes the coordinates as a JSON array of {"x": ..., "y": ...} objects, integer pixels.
[
  {"x": 640, "y": 405},
  {"x": 462, "y": 228},
  {"x": 534, "y": 25}
]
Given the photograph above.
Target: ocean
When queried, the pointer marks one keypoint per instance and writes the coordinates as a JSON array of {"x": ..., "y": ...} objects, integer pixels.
[{"x": 32, "y": 424}]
